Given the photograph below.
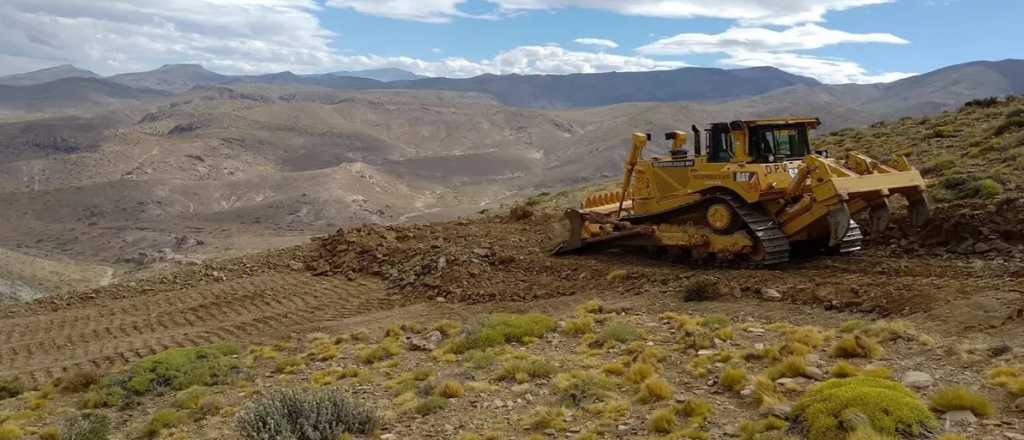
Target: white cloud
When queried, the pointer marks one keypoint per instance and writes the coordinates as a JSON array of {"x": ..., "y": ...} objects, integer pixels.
[
  {"x": 227, "y": 35},
  {"x": 751, "y": 47},
  {"x": 521, "y": 60},
  {"x": 599, "y": 42},
  {"x": 804, "y": 37},
  {"x": 827, "y": 70},
  {"x": 778, "y": 12}
]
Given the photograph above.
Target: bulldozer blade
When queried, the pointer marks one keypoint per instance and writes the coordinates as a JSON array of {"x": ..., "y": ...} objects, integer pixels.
[
  {"x": 839, "y": 224},
  {"x": 574, "y": 240},
  {"x": 919, "y": 210},
  {"x": 880, "y": 215}
]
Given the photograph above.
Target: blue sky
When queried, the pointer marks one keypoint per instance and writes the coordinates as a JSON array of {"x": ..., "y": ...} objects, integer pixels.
[{"x": 835, "y": 41}]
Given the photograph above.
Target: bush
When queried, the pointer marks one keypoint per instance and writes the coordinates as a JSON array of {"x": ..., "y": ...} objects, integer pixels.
[
  {"x": 430, "y": 405},
  {"x": 451, "y": 390},
  {"x": 983, "y": 102},
  {"x": 547, "y": 418},
  {"x": 618, "y": 332},
  {"x": 733, "y": 378},
  {"x": 579, "y": 388},
  {"x": 162, "y": 420},
  {"x": 375, "y": 353},
  {"x": 654, "y": 389},
  {"x": 843, "y": 369},
  {"x": 988, "y": 188},
  {"x": 960, "y": 398},
  {"x": 752, "y": 430},
  {"x": 838, "y": 407},
  {"x": 523, "y": 370},
  {"x": 1007, "y": 125},
  {"x": 289, "y": 365},
  {"x": 182, "y": 368},
  {"x": 856, "y": 346},
  {"x": 78, "y": 381},
  {"x": 579, "y": 326},
  {"x": 503, "y": 328},
  {"x": 702, "y": 289},
  {"x": 792, "y": 366},
  {"x": 10, "y": 432},
  {"x": 11, "y": 387},
  {"x": 305, "y": 415}
]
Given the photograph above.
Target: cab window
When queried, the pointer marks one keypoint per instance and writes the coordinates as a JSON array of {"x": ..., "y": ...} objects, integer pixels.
[
  {"x": 720, "y": 146},
  {"x": 776, "y": 144}
]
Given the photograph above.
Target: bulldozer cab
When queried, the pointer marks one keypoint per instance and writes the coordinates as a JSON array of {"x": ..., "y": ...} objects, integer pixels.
[{"x": 760, "y": 141}]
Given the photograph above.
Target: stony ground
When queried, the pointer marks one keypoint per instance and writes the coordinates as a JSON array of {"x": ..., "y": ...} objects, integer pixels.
[{"x": 320, "y": 306}]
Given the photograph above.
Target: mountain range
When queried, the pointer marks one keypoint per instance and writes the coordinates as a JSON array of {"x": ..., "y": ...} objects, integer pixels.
[{"x": 928, "y": 93}]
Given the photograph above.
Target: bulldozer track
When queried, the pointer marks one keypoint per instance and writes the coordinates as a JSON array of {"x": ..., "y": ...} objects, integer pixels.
[
  {"x": 774, "y": 242},
  {"x": 852, "y": 240},
  {"x": 108, "y": 334}
]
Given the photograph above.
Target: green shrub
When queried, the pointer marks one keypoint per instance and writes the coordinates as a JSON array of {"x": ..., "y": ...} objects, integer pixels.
[
  {"x": 9, "y": 431},
  {"x": 838, "y": 407},
  {"x": 522, "y": 370},
  {"x": 960, "y": 398},
  {"x": 753, "y": 429},
  {"x": 182, "y": 368},
  {"x": 305, "y": 415},
  {"x": 1007, "y": 125},
  {"x": 162, "y": 420},
  {"x": 190, "y": 398},
  {"x": 620, "y": 332},
  {"x": 733, "y": 378},
  {"x": 988, "y": 188},
  {"x": 503, "y": 328},
  {"x": 431, "y": 405},
  {"x": 580, "y": 388},
  {"x": 11, "y": 387}
]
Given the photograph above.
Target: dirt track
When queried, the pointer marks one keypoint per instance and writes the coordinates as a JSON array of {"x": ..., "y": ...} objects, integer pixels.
[
  {"x": 263, "y": 298},
  {"x": 109, "y": 333}
]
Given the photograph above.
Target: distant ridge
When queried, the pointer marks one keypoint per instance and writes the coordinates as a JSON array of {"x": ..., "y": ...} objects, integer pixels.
[
  {"x": 46, "y": 75},
  {"x": 383, "y": 75}
]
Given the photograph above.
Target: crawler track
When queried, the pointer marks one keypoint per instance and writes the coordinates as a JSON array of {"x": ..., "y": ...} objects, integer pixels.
[{"x": 107, "y": 334}]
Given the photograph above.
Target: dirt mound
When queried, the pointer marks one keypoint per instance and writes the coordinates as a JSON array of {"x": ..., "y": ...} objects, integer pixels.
[
  {"x": 978, "y": 228},
  {"x": 446, "y": 260}
]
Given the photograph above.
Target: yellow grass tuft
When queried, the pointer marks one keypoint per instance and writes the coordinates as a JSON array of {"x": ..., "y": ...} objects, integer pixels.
[
  {"x": 639, "y": 372},
  {"x": 654, "y": 389},
  {"x": 961, "y": 398},
  {"x": 451, "y": 390},
  {"x": 857, "y": 346},
  {"x": 843, "y": 369},
  {"x": 547, "y": 418},
  {"x": 733, "y": 378}
]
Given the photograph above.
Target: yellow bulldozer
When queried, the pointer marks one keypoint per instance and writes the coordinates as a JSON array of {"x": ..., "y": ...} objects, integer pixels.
[{"x": 754, "y": 194}]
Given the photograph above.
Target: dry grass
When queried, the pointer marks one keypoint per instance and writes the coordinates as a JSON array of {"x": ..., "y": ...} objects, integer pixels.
[
  {"x": 857, "y": 346},
  {"x": 843, "y": 369},
  {"x": 733, "y": 378},
  {"x": 451, "y": 390},
  {"x": 961, "y": 398},
  {"x": 792, "y": 366},
  {"x": 547, "y": 418},
  {"x": 654, "y": 389},
  {"x": 639, "y": 372}
]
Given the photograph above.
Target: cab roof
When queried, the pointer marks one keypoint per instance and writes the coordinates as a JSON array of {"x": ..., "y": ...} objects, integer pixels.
[{"x": 812, "y": 122}]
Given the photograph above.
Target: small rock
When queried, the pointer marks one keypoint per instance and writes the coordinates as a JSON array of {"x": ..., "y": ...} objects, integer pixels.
[
  {"x": 706, "y": 352},
  {"x": 1013, "y": 436},
  {"x": 780, "y": 410},
  {"x": 960, "y": 417},
  {"x": 918, "y": 379},
  {"x": 427, "y": 342},
  {"x": 981, "y": 248},
  {"x": 755, "y": 330},
  {"x": 295, "y": 265},
  {"x": 1019, "y": 404},
  {"x": 814, "y": 373},
  {"x": 388, "y": 437},
  {"x": 770, "y": 294},
  {"x": 680, "y": 398},
  {"x": 747, "y": 392}
]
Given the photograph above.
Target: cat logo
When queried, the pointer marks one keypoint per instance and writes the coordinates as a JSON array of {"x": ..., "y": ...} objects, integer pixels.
[{"x": 680, "y": 163}]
